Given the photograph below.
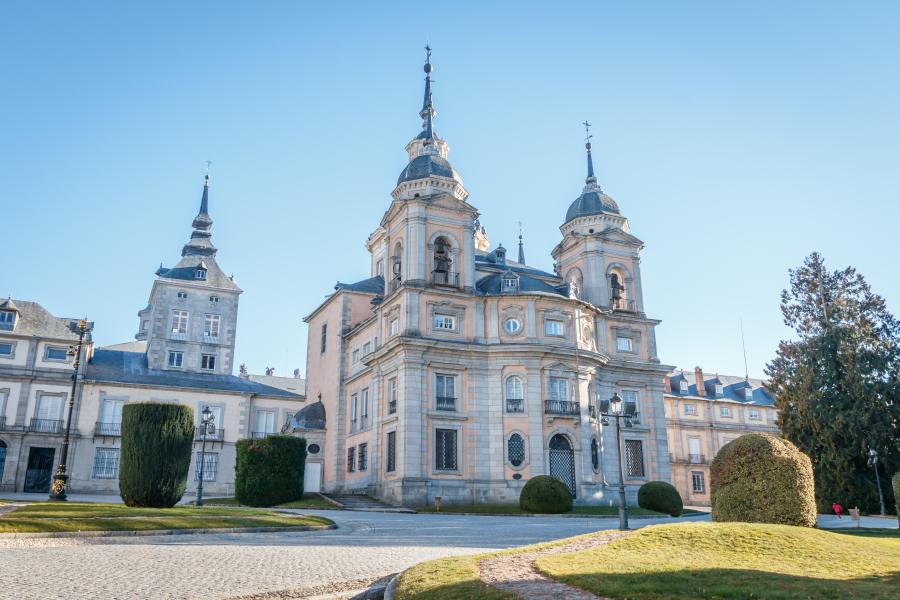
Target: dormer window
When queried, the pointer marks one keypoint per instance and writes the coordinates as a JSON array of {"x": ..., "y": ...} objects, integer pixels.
[
  {"x": 182, "y": 295},
  {"x": 213, "y": 299},
  {"x": 748, "y": 393},
  {"x": 500, "y": 255},
  {"x": 200, "y": 274},
  {"x": 7, "y": 320},
  {"x": 683, "y": 386},
  {"x": 510, "y": 283},
  {"x": 720, "y": 390}
]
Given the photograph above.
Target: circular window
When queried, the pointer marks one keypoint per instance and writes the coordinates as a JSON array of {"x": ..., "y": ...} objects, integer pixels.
[
  {"x": 313, "y": 449},
  {"x": 512, "y": 325}
]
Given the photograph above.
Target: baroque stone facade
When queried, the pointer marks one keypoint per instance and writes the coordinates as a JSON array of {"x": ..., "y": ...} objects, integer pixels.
[{"x": 456, "y": 371}]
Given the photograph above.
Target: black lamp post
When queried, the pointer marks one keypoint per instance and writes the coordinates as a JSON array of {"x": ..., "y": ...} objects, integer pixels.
[
  {"x": 61, "y": 478},
  {"x": 206, "y": 423},
  {"x": 873, "y": 462},
  {"x": 626, "y": 412}
]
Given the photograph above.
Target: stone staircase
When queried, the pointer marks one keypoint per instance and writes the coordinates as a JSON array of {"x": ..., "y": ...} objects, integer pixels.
[{"x": 363, "y": 502}]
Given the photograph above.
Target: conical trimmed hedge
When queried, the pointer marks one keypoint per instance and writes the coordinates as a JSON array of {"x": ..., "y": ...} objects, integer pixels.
[{"x": 156, "y": 453}]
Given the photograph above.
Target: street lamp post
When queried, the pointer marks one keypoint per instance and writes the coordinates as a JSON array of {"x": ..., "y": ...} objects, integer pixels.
[
  {"x": 622, "y": 412},
  {"x": 208, "y": 421},
  {"x": 61, "y": 478},
  {"x": 873, "y": 462}
]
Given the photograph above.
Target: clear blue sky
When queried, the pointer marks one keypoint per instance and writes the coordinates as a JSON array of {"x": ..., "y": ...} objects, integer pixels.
[{"x": 737, "y": 139}]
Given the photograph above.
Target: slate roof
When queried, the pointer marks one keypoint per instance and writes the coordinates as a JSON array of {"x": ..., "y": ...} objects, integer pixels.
[
  {"x": 372, "y": 285},
  {"x": 186, "y": 269},
  {"x": 310, "y": 417},
  {"x": 492, "y": 284},
  {"x": 732, "y": 388},
  {"x": 115, "y": 366},
  {"x": 488, "y": 260},
  {"x": 34, "y": 319},
  {"x": 428, "y": 165},
  {"x": 591, "y": 202}
]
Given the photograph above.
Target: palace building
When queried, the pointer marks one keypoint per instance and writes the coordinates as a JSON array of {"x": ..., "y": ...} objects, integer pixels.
[{"x": 458, "y": 371}]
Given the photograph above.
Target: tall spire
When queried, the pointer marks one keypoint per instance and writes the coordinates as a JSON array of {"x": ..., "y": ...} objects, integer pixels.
[
  {"x": 521, "y": 246},
  {"x": 427, "y": 113},
  {"x": 200, "y": 243},
  {"x": 591, "y": 179}
]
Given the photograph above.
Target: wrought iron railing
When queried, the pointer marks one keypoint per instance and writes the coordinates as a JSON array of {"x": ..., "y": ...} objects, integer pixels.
[
  {"x": 445, "y": 403},
  {"x": 515, "y": 405},
  {"x": 623, "y": 304},
  {"x": 46, "y": 425},
  {"x": 110, "y": 429},
  {"x": 211, "y": 434},
  {"x": 178, "y": 335},
  {"x": 445, "y": 278},
  {"x": 392, "y": 407},
  {"x": 696, "y": 459},
  {"x": 561, "y": 407}
]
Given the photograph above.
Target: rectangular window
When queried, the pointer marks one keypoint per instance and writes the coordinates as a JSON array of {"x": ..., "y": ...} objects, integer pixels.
[
  {"x": 211, "y": 325},
  {"x": 106, "y": 463},
  {"x": 553, "y": 327},
  {"x": 216, "y": 430},
  {"x": 179, "y": 321},
  {"x": 208, "y": 362},
  {"x": 725, "y": 412},
  {"x": 367, "y": 348},
  {"x": 182, "y": 295},
  {"x": 6, "y": 349},
  {"x": 558, "y": 389},
  {"x": 754, "y": 415},
  {"x": 444, "y": 322},
  {"x": 49, "y": 407},
  {"x": 354, "y": 356},
  {"x": 390, "y": 464},
  {"x": 111, "y": 411},
  {"x": 354, "y": 411},
  {"x": 7, "y": 320},
  {"x": 720, "y": 390},
  {"x": 379, "y": 268},
  {"x": 324, "y": 339},
  {"x": 363, "y": 460},
  {"x": 264, "y": 422},
  {"x": 145, "y": 324},
  {"x": 395, "y": 326},
  {"x": 213, "y": 298},
  {"x": 631, "y": 396},
  {"x": 697, "y": 482},
  {"x": 634, "y": 458},
  {"x": 55, "y": 353},
  {"x": 351, "y": 460},
  {"x": 445, "y": 450},
  {"x": 392, "y": 395},
  {"x": 624, "y": 344},
  {"x": 690, "y": 409},
  {"x": 365, "y": 405},
  {"x": 176, "y": 358},
  {"x": 210, "y": 463},
  {"x": 445, "y": 392}
]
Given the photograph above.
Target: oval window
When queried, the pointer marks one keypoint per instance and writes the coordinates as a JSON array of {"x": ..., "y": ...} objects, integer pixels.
[
  {"x": 515, "y": 450},
  {"x": 512, "y": 325},
  {"x": 313, "y": 449}
]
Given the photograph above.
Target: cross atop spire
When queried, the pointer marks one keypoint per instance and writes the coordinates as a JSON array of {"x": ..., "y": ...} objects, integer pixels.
[
  {"x": 521, "y": 246},
  {"x": 427, "y": 113},
  {"x": 590, "y": 161}
]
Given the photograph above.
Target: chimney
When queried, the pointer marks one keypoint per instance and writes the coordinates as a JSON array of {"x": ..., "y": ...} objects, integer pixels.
[{"x": 698, "y": 376}]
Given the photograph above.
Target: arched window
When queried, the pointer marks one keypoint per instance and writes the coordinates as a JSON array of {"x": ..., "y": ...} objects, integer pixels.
[
  {"x": 442, "y": 261},
  {"x": 2, "y": 457},
  {"x": 515, "y": 396},
  {"x": 618, "y": 295},
  {"x": 595, "y": 454},
  {"x": 515, "y": 450},
  {"x": 397, "y": 266}
]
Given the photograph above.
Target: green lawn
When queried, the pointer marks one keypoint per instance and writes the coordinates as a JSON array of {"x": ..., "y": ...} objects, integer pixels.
[
  {"x": 309, "y": 501},
  {"x": 734, "y": 560},
  {"x": 447, "y": 579},
  {"x": 83, "y": 516},
  {"x": 512, "y": 509}
]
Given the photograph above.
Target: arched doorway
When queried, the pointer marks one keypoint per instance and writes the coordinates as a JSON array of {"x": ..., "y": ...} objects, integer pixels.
[{"x": 562, "y": 461}]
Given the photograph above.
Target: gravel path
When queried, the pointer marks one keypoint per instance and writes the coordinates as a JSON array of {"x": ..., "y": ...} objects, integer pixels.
[{"x": 515, "y": 573}]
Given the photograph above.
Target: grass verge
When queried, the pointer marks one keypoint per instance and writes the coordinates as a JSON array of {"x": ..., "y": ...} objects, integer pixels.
[
  {"x": 312, "y": 501},
  {"x": 512, "y": 509},
  {"x": 734, "y": 560},
  {"x": 77, "y": 516},
  {"x": 447, "y": 579}
]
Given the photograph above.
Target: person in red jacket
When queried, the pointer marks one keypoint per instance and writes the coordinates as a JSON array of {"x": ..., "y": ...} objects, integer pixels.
[{"x": 838, "y": 509}]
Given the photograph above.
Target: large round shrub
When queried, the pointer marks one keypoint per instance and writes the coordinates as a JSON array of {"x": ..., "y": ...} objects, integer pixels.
[
  {"x": 760, "y": 478},
  {"x": 269, "y": 471},
  {"x": 546, "y": 495},
  {"x": 660, "y": 496},
  {"x": 156, "y": 453}
]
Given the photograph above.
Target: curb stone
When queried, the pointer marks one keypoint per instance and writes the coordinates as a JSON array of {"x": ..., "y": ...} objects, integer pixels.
[{"x": 150, "y": 532}]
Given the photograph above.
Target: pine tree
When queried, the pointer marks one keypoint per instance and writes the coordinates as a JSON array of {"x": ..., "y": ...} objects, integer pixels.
[{"x": 838, "y": 384}]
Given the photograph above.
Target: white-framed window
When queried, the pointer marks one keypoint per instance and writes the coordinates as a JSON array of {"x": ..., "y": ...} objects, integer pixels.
[
  {"x": 354, "y": 410},
  {"x": 748, "y": 393},
  {"x": 145, "y": 324},
  {"x": 395, "y": 326},
  {"x": 214, "y": 299},
  {"x": 106, "y": 463},
  {"x": 351, "y": 459},
  {"x": 49, "y": 407},
  {"x": 755, "y": 415},
  {"x": 690, "y": 409},
  {"x": 210, "y": 462},
  {"x": 56, "y": 353},
  {"x": 725, "y": 412},
  {"x": 624, "y": 344},
  {"x": 515, "y": 450},
  {"x": 683, "y": 386},
  {"x": 392, "y": 395},
  {"x": 444, "y": 322},
  {"x": 218, "y": 424},
  {"x": 379, "y": 268},
  {"x": 634, "y": 458},
  {"x": 363, "y": 456},
  {"x": 211, "y": 325},
  {"x": 200, "y": 274},
  {"x": 111, "y": 415},
  {"x": 367, "y": 348},
  {"x": 554, "y": 327},
  {"x": 264, "y": 422},
  {"x": 364, "y": 400},
  {"x": 7, "y": 320},
  {"x": 510, "y": 283},
  {"x": 512, "y": 325},
  {"x": 176, "y": 358},
  {"x": 181, "y": 295},
  {"x": 632, "y": 396},
  {"x": 720, "y": 390},
  {"x": 445, "y": 450},
  {"x": 179, "y": 321},
  {"x": 698, "y": 483},
  {"x": 354, "y": 356},
  {"x": 208, "y": 362},
  {"x": 6, "y": 349},
  {"x": 559, "y": 389},
  {"x": 445, "y": 391},
  {"x": 515, "y": 394}
]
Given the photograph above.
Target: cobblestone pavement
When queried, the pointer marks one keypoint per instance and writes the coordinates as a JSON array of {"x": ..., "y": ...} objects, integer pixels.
[{"x": 219, "y": 566}]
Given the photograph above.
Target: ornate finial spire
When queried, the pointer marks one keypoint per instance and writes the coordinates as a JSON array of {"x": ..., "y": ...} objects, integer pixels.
[
  {"x": 200, "y": 243},
  {"x": 521, "y": 246},
  {"x": 427, "y": 113},
  {"x": 590, "y": 161}
]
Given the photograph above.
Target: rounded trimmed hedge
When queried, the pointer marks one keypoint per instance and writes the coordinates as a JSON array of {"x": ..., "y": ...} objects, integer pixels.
[
  {"x": 760, "y": 478},
  {"x": 269, "y": 471},
  {"x": 660, "y": 496},
  {"x": 546, "y": 495},
  {"x": 156, "y": 453}
]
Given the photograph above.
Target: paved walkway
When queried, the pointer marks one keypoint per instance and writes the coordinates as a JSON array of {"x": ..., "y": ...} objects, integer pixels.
[{"x": 219, "y": 566}]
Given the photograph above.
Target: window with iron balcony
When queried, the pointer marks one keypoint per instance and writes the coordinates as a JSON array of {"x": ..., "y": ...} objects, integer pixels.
[
  {"x": 559, "y": 403},
  {"x": 445, "y": 392},
  {"x": 515, "y": 396}
]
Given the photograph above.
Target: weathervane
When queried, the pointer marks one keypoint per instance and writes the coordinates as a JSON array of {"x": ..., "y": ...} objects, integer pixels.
[
  {"x": 427, "y": 53},
  {"x": 587, "y": 132}
]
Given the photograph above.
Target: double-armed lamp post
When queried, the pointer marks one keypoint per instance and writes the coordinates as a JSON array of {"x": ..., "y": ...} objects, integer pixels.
[
  {"x": 622, "y": 412},
  {"x": 207, "y": 424},
  {"x": 60, "y": 479}
]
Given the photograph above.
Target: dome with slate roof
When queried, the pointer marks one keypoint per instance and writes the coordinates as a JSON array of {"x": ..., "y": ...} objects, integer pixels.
[
  {"x": 428, "y": 165},
  {"x": 591, "y": 202}
]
